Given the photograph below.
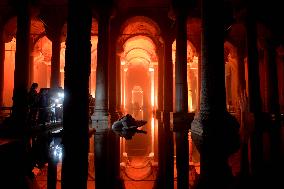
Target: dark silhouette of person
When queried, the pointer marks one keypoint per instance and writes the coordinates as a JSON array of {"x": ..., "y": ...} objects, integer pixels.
[
  {"x": 43, "y": 106},
  {"x": 33, "y": 103},
  {"x": 127, "y": 126}
]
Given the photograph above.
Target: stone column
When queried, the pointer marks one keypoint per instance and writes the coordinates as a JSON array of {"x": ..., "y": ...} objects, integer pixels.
[
  {"x": 55, "y": 58},
  {"x": 168, "y": 75},
  {"x": 241, "y": 69},
  {"x": 31, "y": 63},
  {"x": 166, "y": 147},
  {"x": 160, "y": 181},
  {"x": 118, "y": 82},
  {"x": 21, "y": 73},
  {"x": 76, "y": 89},
  {"x": 101, "y": 118},
  {"x": 209, "y": 130},
  {"x": 114, "y": 143},
  {"x": 124, "y": 76},
  {"x": 274, "y": 108},
  {"x": 112, "y": 74},
  {"x": 198, "y": 81},
  {"x": 181, "y": 102},
  {"x": 168, "y": 152},
  {"x": 181, "y": 63},
  {"x": 152, "y": 84},
  {"x": 244, "y": 170},
  {"x": 2, "y": 61},
  {"x": 254, "y": 98},
  {"x": 160, "y": 78}
]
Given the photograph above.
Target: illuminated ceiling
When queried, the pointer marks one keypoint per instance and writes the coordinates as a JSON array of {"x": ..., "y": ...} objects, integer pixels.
[
  {"x": 139, "y": 50},
  {"x": 138, "y": 38}
]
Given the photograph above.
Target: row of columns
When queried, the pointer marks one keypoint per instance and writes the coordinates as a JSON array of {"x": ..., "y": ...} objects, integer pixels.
[
  {"x": 55, "y": 61},
  {"x": 23, "y": 74}
]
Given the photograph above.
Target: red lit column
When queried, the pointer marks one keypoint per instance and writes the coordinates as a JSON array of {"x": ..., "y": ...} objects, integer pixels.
[
  {"x": 2, "y": 59},
  {"x": 208, "y": 130},
  {"x": 21, "y": 73},
  {"x": 55, "y": 58},
  {"x": 31, "y": 63},
  {"x": 160, "y": 79},
  {"x": 76, "y": 88},
  {"x": 118, "y": 82},
  {"x": 112, "y": 76}
]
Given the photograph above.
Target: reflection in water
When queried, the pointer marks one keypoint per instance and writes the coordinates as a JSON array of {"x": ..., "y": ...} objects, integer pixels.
[
  {"x": 127, "y": 126},
  {"x": 138, "y": 153},
  {"x": 140, "y": 145},
  {"x": 139, "y": 156}
]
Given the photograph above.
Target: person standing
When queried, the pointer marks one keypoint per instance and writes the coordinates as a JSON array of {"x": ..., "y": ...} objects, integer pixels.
[{"x": 33, "y": 103}]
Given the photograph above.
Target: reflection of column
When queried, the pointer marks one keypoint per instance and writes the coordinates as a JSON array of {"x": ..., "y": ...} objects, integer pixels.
[
  {"x": 152, "y": 134},
  {"x": 21, "y": 73},
  {"x": 55, "y": 59},
  {"x": 76, "y": 103},
  {"x": 2, "y": 58},
  {"x": 114, "y": 146},
  {"x": 274, "y": 107},
  {"x": 168, "y": 148}
]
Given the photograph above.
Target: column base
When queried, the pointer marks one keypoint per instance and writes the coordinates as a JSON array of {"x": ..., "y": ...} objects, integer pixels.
[
  {"x": 214, "y": 137},
  {"x": 100, "y": 121}
]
